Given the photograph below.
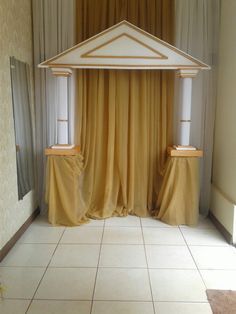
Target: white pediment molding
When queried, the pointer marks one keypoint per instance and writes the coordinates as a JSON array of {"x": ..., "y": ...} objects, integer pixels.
[{"x": 124, "y": 46}]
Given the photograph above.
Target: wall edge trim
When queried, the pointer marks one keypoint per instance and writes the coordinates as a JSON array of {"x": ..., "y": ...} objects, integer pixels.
[
  {"x": 9, "y": 245},
  {"x": 228, "y": 236}
]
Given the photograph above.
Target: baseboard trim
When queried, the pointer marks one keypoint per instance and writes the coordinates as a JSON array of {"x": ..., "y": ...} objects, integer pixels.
[
  {"x": 8, "y": 246},
  {"x": 221, "y": 228}
]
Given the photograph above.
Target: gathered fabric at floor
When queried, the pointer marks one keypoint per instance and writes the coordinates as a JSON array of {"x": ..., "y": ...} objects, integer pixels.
[
  {"x": 177, "y": 202},
  {"x": 124, "y": 117}
]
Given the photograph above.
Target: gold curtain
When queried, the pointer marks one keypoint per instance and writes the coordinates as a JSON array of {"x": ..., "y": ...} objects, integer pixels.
[
  {"x": 178, "y": 199},
  {"x": 124, "y": 117},
  {"x": 63, "y": 191}
]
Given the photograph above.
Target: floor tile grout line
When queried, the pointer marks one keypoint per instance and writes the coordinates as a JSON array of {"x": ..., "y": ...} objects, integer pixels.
[
  {"x": 140, "y": 225},
  {"x": 99, "y": 256},
  {"x": 112, "y": 300},
  {"x": 199, "y": 272},
  {"x": 122, "y": 243},
  {"x": 116, "y": 226},
  {"x": 44, "y": 272},
  {"x": 124, "y": 267},
  {"x": 149, "y": 278}
]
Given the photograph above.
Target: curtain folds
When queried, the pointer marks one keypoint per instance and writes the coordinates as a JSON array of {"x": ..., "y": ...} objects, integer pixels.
[
  {"x": 124, "y": 118},
  {"x": 197, "y": 32},
  {"x": 53, "y": 31},
  {"x": 63, "y": 191},
  {"x": 178, "y": 200}
]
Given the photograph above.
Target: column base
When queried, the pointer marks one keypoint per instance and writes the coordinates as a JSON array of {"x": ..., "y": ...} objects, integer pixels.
[
  {"x": 173, "y": 152},
  {"x": 62, "y": 152}
]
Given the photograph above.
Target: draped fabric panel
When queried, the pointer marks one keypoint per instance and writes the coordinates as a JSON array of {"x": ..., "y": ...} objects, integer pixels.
[
  {"x": 53, "y": 31},
  {"x": 178, "y": 200},
  {"x": 63, "y": 191},
  {"x": 197, "y": 33},
  {"x": 124, "y": 118}
]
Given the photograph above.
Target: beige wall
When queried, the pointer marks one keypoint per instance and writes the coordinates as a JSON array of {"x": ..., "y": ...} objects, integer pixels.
[
  {"x": 224, "y": 156},
  {"x": 15, "y": 40}
]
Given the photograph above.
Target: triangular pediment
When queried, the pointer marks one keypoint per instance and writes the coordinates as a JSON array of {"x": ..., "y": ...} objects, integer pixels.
[{"x": 124, "y": 46}]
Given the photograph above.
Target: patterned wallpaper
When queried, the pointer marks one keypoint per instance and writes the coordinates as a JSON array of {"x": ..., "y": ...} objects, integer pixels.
[{"x": 15, "y": 40}]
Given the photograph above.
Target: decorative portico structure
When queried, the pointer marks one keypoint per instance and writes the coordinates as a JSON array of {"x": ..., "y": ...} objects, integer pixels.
[{"x": 125, "y": 46}]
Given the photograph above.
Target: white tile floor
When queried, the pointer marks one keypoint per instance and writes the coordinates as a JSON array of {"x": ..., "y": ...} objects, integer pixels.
[{"x": 120, "y": 266}]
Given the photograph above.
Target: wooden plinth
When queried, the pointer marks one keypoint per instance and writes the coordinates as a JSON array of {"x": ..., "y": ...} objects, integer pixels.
[
  {"x": 62, "y": 152},
  {"x": 173, "y": 152}
]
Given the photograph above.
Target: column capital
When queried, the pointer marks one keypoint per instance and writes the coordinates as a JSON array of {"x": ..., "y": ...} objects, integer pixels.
[
  {"x": 187, "y": 73},
  {"x": 61, "y": 71}
]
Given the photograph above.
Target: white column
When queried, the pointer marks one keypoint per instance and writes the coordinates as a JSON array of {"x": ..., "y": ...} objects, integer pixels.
[
  {"x": 62, "y": 110},
  {"x": 62, "y": 104},
  {"x": 185, "y": 110},
  {"x": 185, "y": 106},
  {"x": 72, "y": 102}
]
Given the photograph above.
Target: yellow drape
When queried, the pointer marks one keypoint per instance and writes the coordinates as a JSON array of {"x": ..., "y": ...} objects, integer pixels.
[
  {"x": 124, "y": 118},
  {"x": 62, "y": 190},
  {"x": 178, "y": 199}
]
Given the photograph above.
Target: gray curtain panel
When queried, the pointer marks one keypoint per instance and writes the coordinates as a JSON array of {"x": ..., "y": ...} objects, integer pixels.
[
  {"x": 197, "y": 33},
  {"x": 53, "y": 32},
  {"x": 23, "y": 126}
]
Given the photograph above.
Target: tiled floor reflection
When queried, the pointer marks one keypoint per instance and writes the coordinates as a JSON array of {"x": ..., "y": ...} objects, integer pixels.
[{"x": 126, "y": 265}]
